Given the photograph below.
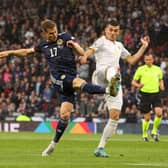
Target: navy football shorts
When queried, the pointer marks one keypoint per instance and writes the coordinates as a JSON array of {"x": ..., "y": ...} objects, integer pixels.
[{"x": 63, "y": 85}]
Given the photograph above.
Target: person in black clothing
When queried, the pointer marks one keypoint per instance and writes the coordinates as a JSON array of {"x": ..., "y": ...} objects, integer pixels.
[{"x": 58, "y": 50}]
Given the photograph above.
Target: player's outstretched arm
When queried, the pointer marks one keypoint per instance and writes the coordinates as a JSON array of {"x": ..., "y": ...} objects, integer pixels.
[
  {"x": 84, "y": 59},
  {"x": 19, "y": 52},
  {"x": 134, "y": 58}
]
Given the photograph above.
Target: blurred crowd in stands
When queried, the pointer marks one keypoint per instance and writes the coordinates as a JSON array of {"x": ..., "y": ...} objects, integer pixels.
[{"x": 25, "y": 86}]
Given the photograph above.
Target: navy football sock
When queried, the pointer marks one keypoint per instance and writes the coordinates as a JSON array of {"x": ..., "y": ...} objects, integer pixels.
[
  {"x": 62, "y": 124},
  {"x": 92, "y": 89}
]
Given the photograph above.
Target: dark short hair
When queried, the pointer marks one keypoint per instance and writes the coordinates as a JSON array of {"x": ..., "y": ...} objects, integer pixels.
[
  {"x": 112, "y": 22},
  {"x": 47, "y": 24},
  {"x": 148, "y": 54}
]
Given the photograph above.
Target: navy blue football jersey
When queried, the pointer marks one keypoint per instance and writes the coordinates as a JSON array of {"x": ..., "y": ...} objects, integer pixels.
[{"x": 60, "y": 58}]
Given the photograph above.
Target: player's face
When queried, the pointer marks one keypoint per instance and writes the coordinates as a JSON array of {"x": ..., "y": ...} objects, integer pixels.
[
  {"x": 111, "y": 32},
  {"x": 149, "y": 60},
  {"x": 51, "y": 34}
]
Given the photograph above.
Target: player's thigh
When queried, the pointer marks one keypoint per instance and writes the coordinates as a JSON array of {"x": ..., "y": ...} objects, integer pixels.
[
  {"x": 77, "y": 83},
  {"x": 63, "y": 83}
]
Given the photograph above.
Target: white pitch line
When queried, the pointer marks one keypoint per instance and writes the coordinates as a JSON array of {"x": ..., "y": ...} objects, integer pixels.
[{"x": 147, "y": 164}]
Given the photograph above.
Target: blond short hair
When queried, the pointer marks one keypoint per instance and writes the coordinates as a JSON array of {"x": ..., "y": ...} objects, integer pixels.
[{"x": 47, "y": 24}]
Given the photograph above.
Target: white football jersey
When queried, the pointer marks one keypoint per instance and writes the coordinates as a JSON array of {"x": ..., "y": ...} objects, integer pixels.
[{"x": 108, "y": 53}]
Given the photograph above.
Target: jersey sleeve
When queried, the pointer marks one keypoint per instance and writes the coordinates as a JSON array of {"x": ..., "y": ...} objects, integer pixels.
[
  {"x": 68, "y": 36},
  {"x": 37, "y": 48},
  {"x": 97, "y": 44},
  {"x": 137, "y": 75},
  {"x": 124, "y": 52}
]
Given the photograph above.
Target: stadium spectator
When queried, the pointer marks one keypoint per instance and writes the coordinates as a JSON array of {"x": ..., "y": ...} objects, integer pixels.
[
  {"x": 131, "y": 114},
  {"x": 3, "y": 110},
  {"x": 126, "y": 79},
  {"x": 149, "y": 79},
  {"x": 22, "y": 106},
  {"x": 165, "y": 78}
]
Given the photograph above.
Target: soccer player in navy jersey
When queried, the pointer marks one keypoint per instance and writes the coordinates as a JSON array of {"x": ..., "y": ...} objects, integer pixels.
[{"x": 58, "y": 50}]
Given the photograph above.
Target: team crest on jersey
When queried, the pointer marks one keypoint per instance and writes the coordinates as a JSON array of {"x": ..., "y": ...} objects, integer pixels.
[
  {"x": 60, "y": 43},
  {"x": 63, "y": 76}
]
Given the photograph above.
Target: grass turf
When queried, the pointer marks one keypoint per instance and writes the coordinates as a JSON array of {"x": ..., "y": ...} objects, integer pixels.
[{"x": 18, "y": 150}]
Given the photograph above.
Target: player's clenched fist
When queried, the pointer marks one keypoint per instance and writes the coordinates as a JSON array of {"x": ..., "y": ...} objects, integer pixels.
[{"x": 145, "y": 41}]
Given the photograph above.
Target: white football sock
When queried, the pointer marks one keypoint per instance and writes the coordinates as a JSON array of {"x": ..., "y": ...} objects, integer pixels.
[{"x": 108, "y": 131}]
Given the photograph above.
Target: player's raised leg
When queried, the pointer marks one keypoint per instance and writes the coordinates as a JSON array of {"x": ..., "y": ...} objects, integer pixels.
[
  {"x": 114, "y": 79},
  {"x": 81, "y": 84}
]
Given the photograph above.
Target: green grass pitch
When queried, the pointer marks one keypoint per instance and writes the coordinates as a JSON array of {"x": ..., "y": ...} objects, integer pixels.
[{"x": 23, "y": 150}]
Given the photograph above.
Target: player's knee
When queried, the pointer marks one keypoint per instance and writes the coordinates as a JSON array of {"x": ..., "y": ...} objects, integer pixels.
[
  {"x": 158, "y": 113},
  {"x": 147, "y": 117},
  {"x": 114, "y": 114},
  {"x": 65, "y": 115},
  {"x": 78, "y": 82},
  {"x": 115, "y": 117},
  {"x": 65, "y": 110}
]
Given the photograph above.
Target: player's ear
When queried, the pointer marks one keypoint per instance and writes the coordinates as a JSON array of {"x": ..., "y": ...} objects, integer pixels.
[
  {"x": 118, "y": 32},
  {"x": 42, "y": 32}
]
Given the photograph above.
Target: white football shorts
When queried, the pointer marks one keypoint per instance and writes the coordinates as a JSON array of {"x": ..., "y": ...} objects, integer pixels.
[{"x": 98, "y": 78}]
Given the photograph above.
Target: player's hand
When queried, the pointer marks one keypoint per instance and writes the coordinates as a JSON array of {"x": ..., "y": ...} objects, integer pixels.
[
  {"x": 70, "y": 43},
  {"x": 162, "y": 88},
  {"x": 140, "y": 85},
  {"x": 145, "y": 41},
  {"x": 83, "y": 60},
  {"x": 3, "y": 54}
]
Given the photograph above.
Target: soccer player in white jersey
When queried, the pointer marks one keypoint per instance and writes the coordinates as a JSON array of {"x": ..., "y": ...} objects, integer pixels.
[{"x": 107, "y": 52}]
